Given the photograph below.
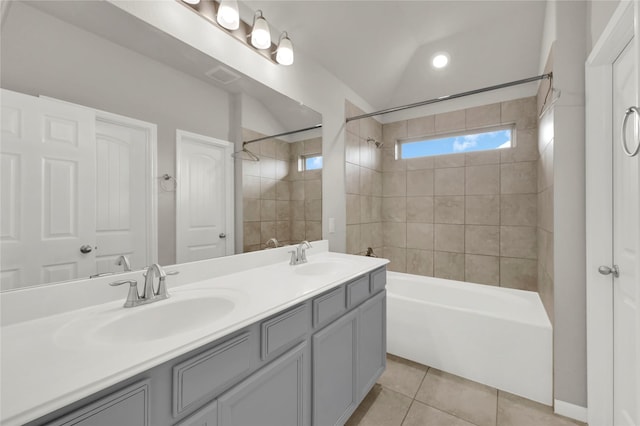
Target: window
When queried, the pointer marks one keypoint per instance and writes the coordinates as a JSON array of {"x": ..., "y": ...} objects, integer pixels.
[
  {"x": 496, "y": 138},
  {"x": 310, "y": 162}
]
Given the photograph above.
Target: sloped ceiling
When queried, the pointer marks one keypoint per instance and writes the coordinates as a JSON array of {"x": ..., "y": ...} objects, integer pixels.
[{"x": 383, "y": 49}]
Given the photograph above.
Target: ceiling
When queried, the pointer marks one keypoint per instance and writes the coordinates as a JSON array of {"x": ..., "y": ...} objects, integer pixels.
[{"x": 383, "y": 49}]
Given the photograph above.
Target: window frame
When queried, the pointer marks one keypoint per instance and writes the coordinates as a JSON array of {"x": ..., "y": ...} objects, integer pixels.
[
  {"x": 302, "y": 161},
  {"x": 426, "y": 138}
]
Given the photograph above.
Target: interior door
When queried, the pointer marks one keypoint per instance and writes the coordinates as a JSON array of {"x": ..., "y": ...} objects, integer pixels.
[
  {"x": 48, "y": 199},
  {"x": 204, "y": 196},
  {"x": 122, "y": 176},
  {"x": 626, "y": 250}
]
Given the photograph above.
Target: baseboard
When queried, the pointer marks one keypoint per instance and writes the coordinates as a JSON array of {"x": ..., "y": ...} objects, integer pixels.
[{"x": 573, "y": 411}]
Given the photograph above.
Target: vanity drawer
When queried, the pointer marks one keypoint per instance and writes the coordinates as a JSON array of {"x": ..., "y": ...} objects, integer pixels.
[
  {"x": 357, "y": 291},
  {"x": 284, "y": 329},
  {"x": 328, "y": 306},
  {"x": 378, "y": 280},
  {"x": 209, "y": 373},
  {"x": 129, "y": 406}
]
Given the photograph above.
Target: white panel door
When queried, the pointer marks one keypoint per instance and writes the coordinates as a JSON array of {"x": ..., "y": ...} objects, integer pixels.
[
  {"x": 123, "y": 147},
  {"x": 48, "y": 199},
  {"x": 204, "y": 197},
  {"x": 626, "y": 250}
]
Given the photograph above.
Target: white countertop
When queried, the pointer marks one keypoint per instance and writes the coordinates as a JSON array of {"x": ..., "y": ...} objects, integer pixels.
[{"x": 50, "y": 362}]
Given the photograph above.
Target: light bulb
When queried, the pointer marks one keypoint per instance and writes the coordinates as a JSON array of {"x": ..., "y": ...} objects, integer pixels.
[
  {"x": 284, "y": 53},
  {"x": 191, "y": 1},
  {"x": 228, "y": 16},
  {"x": 260, "y": 35},
  {"x": 440, "y": 60}
]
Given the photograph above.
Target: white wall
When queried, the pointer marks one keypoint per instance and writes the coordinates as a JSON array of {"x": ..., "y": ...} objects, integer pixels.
[
  {"x": 598, "y": 14},
  {"x": 42, "y": 55},
  {"x": 305, "y": 81}
]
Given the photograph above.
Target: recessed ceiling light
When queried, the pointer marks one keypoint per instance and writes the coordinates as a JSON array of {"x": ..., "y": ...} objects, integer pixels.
[{"x": 440, "y": 60}]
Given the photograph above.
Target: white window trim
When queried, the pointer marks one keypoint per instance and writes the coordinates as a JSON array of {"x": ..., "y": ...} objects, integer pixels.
[{"x": 302, "y": 164}]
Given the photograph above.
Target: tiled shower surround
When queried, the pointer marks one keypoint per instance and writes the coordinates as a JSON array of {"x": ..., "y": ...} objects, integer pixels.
[
  {"x": 467, "y": 216},
  {"x": 278, "y": 200}
]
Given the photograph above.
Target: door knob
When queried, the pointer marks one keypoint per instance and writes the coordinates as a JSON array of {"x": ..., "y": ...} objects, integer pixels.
[
  {"x": 605, "y": 270},
  {"x": 222, "y": 235},
  {"x": 86, "y": 249}
]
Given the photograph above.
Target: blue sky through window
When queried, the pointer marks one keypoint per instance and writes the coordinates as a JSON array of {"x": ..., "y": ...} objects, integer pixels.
[
  {"x": 454, "y": 144},
  {"x": 313, "y": 163}
]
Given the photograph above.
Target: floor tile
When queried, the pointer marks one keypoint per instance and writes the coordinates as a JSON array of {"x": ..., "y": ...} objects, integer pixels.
[
  {"x": 423, "y": 415},
  {"x": 381, "y": 407},
  {"x": 468, "y": 400},
  {"x": 402, "y": 376},
  {"x": 516, "y": 411}
]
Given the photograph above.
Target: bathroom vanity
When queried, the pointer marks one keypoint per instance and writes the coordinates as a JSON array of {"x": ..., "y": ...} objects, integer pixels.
[{"x": 301, "y": 345}]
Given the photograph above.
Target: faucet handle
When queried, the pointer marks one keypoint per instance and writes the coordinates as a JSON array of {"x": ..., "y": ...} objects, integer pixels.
[
  {"x": 132, "y": 297},
  {"x": 172, "y": 272}
]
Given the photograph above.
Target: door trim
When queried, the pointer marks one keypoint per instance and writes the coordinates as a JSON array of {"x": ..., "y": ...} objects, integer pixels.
[
  {"x": 229, "y": 174},
  {"x": 599, "y": 180}
]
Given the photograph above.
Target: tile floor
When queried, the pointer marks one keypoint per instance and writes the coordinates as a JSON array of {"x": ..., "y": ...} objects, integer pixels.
[{"x": 411, "y": 394}]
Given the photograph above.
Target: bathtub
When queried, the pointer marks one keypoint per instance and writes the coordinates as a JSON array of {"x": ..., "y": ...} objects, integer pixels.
[{"x": 497, "y": 336}]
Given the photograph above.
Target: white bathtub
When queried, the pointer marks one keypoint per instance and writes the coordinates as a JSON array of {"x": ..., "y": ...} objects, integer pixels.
[{"x": 497, "y": 336}]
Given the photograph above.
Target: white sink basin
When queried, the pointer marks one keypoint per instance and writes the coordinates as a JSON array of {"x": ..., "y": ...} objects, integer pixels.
[
  {"x": 163, "y": 319},
  {"x": 324, "y": 267}
]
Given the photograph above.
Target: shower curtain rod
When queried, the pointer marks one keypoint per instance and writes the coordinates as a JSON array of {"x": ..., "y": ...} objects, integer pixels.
[
  {"x": 448, "y": 97},
  {"x": 317, "y": 126}
]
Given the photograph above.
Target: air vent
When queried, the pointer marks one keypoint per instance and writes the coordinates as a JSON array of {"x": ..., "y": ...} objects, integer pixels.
[{"x": 222, "y": 75}]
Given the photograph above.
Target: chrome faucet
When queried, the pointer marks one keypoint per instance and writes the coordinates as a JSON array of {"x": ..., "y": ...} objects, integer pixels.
[
  {"x": 272, "y": 241},
  {"x": 123, "y": 260},
  {"x": 149, "y": 294},
  {"x": 299, "y": 255}
]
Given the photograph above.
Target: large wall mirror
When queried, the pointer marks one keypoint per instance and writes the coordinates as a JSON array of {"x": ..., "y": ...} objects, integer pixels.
[{"x": 73, "y": 72}]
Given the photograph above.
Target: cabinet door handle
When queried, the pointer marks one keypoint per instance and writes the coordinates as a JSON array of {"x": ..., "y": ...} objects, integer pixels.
[
  {"x": 625, "y": 148},
  {"x": 86, "y": 249}
]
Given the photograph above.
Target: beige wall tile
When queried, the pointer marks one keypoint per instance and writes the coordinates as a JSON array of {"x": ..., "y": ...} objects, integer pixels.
[
  {"x": 449, "y": 238},
  {"x": 313, "y": 146},
  {"x": 312, "y": 189},
  {"x": 448, "y": 265},
  {"x": 366, "y": 181},
  {"x": 449, "y": 181},
  {"x": 313, "y": 210},
  {"x": 267, "y": 148},
  {"x": 250, "y": 187},
  {"x": 251, "y": 209},
  {"x": 420, "y": 262},
  {"x": 367, "y": 237},
  {"x": 449, "y": 209},
  {"x": 419, "y": 182},
  {"x": 483, "y": 116},
  {"x": 397, "y": 257},
  {"x": 394, "y": 184},
  {"x": 268, "y": 210},
  {"x": 518, "y": 273},
  {"x": 376, "y": 190},
  {"x": 376, "y": 233},
  {"x": 267, "y": 189},
  {"x": 377, "y": 159},
  {"x": 353, "y": 239},
  {"x": 389, "y": 162},
  {"x": 482, "y": 180},
  {"x": 267, "y": 231},
  {"x": 518, "y": 178},
  {"x": 312, "y": 174},
  {"x": 297, "y": 190},
  {"x": 394, "y": 209},
  {"x": 545, "y": 209},
  {"x": 366, "y": 153},
  {"x": 283, "y": 151},
  {"x": 250, "y": 168},
  {"x": 482, "y": 269},
  {"x": 394, "y": 234},
  {"x": 525, "y": 149},
  {"x": 482, "y": 157},
  {"x": 391, "y": 132},
  {"x": 283, "y": 210},
  {"x": 251, "y": 233},
  {"x": 352, "y": 148},
  {"x": 267, "y": 167},
  {"x": 282, "y": 169},
  {"x": 313, "y": 230},
  {"x": 421, "y": 126},
  {"x": 283, "y": 231},
  {"x": 376, "y": 209},
  {"x": 283, "y": 190},
  {"x": 420, "y": 163},
  {"x": 370, "y": 127},
  {"x": 420, "y": 209},
  {"x": 366, "y": 207},
  {"x": 482, "y": 209},
  {"x": 420, "y": 236},
  {"x": 518, "y": 241},
  {"x": 353, "y": 209},
  {"x": 294, "y": 173},
  {"x": 519, "y": 209},
  {"x": 297, "y": 210},
  {"x": 451, "y": 160},
  {"x": 450, "y": 121},
  {"x": 353, "y": 178},
  {"x": 482, "y": 239},
  {"x": 522, "y": 112},
  {"x": 298, "y": 230}
]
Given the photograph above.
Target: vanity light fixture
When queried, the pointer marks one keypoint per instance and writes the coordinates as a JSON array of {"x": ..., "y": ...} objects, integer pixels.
[
  {"x": 192, "y": 1},
  {"x": 440, "y": 60},
  {"x": 228, "y": 14},
  {"x": 284, "y": 52},
  {"x": 260, "y": 34}
]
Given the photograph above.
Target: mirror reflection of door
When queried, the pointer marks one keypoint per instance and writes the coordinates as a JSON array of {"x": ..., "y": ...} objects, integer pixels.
[
  {"x": 204, "y": 198},
  {"x": 70, "y": 198}
]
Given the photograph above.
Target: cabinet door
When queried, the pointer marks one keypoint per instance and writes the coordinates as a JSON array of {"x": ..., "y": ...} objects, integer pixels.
[
  {"x": 334, "y": 371},
  {"x": 372, "y": 326},
  {"x": 274, "y": 396}
]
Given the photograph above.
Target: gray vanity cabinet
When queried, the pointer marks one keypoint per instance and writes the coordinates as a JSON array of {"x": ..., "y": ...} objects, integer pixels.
[
  {"x": 372, "y": 346},
  {"x": 334, "y": 371}
]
